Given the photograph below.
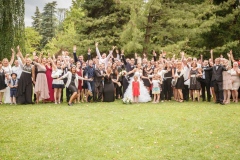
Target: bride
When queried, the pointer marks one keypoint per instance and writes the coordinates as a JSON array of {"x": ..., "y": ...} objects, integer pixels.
[{"x": 144, "y": 94}]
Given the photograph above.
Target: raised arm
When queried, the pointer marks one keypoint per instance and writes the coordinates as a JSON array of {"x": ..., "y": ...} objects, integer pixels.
[
  {"x": 12, "y": 58},
  {"x": 97, "y": 51},
  {"x": 123, "y": 58},
  {"x": 74, "y": 53},
  {"x": 20, "y": 56},
  {"x": 110, "y": 53},
  {"x": 154, "y": 55},
  {"x": 211, "y": 52}
]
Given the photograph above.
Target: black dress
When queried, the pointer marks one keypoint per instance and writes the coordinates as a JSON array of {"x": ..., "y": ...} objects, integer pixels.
[
  {"x": 108, "y": 90},
  {"x": 180, "y": 81},
  {"x": 146, "y": 81},
  {"x": 25, "y": 87},
  {"x": 2, "y": 80},
  {"x": 194, "y": 83}
]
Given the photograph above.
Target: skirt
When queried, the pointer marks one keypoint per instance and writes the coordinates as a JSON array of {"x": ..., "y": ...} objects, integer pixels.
[
  {"x": 155, "y": 90},
  {"x": 57, "y": 83}
]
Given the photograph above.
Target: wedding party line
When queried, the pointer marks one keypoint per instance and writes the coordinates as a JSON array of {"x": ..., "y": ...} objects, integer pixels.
[{"x": 32, "y": 79}]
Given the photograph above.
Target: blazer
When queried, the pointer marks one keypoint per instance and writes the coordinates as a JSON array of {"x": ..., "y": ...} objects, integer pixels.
[
  {"x": 217, "y": 73},
  {"x": 98, "y": 77},
  {"x": 68, "y": 75}
]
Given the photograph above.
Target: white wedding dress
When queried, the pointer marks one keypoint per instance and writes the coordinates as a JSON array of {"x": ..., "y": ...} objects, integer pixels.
[
  {"x": 144, "y": 94},
  {"x": 6, "y": 96}
]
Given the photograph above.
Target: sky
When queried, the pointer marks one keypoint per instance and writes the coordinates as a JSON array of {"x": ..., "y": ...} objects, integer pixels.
[{"x": 30, "y": 8}]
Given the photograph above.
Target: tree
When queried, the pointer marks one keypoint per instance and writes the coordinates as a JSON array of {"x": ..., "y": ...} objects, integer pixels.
[
  {"x": 36, "y": 24},
  {"x": 11, "y": 26},
  {"x": 32, "y": 40},
  {"x": 48, "y": 25}
]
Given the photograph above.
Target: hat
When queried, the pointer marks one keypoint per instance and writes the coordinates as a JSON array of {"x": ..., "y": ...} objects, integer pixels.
[{"x": 13, "y": 74}]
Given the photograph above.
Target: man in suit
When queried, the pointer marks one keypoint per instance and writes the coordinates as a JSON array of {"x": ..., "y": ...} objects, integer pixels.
[
  {"x": 217, "y": 80},
  {"x": 129, "y": 66},
  {"x": 98, "y": 82},
  {"x": 205, "y": 81}
]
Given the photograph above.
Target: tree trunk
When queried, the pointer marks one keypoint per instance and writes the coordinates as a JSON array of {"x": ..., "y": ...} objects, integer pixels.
[{"x": 148, "y": 33}]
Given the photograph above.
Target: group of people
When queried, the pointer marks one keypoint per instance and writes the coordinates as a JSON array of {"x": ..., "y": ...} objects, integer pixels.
[{"x": 105, "y": 78}]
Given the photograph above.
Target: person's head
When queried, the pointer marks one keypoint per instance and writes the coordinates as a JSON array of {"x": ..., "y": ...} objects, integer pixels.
[
  {"x": 103, "y": 55},
  {"x": 28, "y": 61},
  {"x": 205, "y": 62},
  {"x": 16, "y": 63},
  {"x": 132, "y": 61},
  {"x": 84, "y": 65},
  {"x": 114, "y": 65},
  {"x": 14, "y": 75},
  {"x": 58, "y": 63},
  {"x": 5, "y": 62},
  {"x": 73, "y": 69},
  {"x": 103, "y": 65},
  {"x": 44, "y": 60},
  {"x": 217, "y": 61},
  {"x": 80, "y": 58},
  {"x": 235, "y": 64},
  {"x": 109, "y": 70},
  {"x": 135, "y": 78},
  {"x": 179, "y": 65},
  {"x": 78, "y": 65},
  {"x": 99, "y": 66},
  {"x": 194, "y": 65}
]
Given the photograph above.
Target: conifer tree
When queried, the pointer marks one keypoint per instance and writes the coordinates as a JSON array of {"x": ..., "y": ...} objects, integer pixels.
[{"x": 36, "y": 24}]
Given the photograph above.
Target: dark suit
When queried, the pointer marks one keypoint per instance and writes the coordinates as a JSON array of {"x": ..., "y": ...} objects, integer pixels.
[
  {"x": 98, "y": 85},
  {"x": 217, "y": 80},
  {"x": 128, "y": 68},
  {"x": 205, "y": 83}
]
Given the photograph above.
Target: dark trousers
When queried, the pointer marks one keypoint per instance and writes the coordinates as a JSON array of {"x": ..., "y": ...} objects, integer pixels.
[
  {"x": 167, "y": 88},
  {"x": 98, "y": 92},
  {"x": 218, "y": 89},
  {"x": 119, "y": 92},
  {"x": 185, "y": 92},
  {"x": 205, "y": 85},
  {"x": 162, "y": 92},
  {"x": 68, "y": 94}
]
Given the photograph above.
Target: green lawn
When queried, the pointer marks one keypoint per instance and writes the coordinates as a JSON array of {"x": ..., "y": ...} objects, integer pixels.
[{"x": 168, "y": 130}]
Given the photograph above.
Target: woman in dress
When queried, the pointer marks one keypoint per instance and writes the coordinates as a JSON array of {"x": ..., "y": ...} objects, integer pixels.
[
  {"x": 72, "y": 83},
  {"x": 2, "y": 83},
  {"x": 195, "y": 85},
  {"x": 25, "y": 87},
  {"x": 178, "y": 76},
  {"x": 227, "y": 84},
  {"x": 147, "y": 70},
  {"x": 167, "y": 82},
  {"x": 7, "y": 67},
  {"x": 115, "y": 77},
  {"x": 57, "y": 85},
  {"x": 235, "y": 71},
  {"x": 41, "y": 86},
  {"x": 80, "y": 82},
  {"x": 49, "y": 80},
  {"x": 144, "y": 94}
]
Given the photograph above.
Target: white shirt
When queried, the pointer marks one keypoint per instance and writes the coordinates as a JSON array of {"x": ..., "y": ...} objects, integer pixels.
[
  {"x": 155, "y": 83},
  {"x": 103, "y": 60}
]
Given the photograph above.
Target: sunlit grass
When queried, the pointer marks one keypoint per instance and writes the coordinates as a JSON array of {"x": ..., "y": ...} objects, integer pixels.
[{"x": 168, "y": 130}]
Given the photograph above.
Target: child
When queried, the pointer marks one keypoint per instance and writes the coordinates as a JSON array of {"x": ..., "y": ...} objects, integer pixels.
[
  {"x": 156, "y": 82},
  {"x": 135, "y": 89},
  {"x": 13, "y": 83}
]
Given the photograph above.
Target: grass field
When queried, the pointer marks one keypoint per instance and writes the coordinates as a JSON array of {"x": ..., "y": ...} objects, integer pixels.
[{"x": 168, "y": 130}]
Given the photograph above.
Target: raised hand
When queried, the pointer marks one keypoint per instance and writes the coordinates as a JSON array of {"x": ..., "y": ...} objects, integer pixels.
[
  {"x": 96, "y": 44},
  {"x": 74, "y": 48},
  {"x": 211, "y": 51},
  {"x": 122, "y": 52},
  {"x": 34, "y": 54},
  {"x": 12, "y": 50}
]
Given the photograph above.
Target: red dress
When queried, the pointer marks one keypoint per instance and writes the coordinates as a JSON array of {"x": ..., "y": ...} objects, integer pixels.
[
  {"x": 49, "y": 81},
  {"x": 135, "y": 88},
  {"x": 80, "y": 81}
]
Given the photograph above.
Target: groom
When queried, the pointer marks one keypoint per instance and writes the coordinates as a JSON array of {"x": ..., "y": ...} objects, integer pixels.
[{"x": 129, "y": 66}]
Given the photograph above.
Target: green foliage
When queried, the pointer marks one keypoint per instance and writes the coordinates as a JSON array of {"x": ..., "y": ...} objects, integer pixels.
[
  {"x": 32, "y": 40},
  {"x": 37, "y": 19},
  {"x": 11, "y": 26},
  {"x": 48, "y": 24},
  {"x": 63, "y": 40}
]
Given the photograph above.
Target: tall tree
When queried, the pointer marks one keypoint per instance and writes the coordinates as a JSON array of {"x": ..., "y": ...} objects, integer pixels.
[
  {"x": 37, "y": 18},
  {"x": 11, "y": 26},
  {"x": 32, "y": 40},
  {"x": 49, "y": 20}
]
